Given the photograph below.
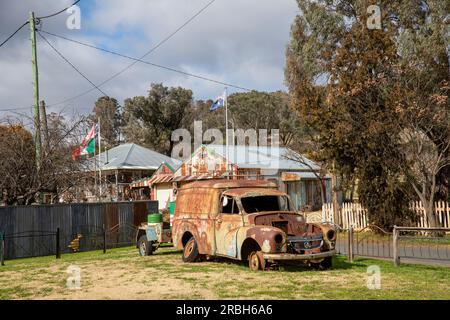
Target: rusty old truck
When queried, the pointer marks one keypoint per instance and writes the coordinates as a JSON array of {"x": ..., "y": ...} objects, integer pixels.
[{"x": 247, "y": 220}]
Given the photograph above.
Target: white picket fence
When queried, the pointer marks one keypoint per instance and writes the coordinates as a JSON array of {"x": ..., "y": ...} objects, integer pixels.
[{"x": 353, "y": 214}]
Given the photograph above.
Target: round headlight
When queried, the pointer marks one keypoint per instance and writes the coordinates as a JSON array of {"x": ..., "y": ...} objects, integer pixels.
[
  {"x": 331, "y": 234},
  {"x": 278, "y": 238}
]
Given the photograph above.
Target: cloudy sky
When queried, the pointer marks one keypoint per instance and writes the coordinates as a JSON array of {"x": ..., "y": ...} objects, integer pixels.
[{"x": 235, "y": 41}]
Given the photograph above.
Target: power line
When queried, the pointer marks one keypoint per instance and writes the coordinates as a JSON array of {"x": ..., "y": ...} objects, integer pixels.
[
  {"x": 14, "y": 33},
  {"x": 150, "y": 63},
  {"x": 159, "y": 44},
  {"x": 14, "y": 109},
  {"x": 37, "y": 18},
  {"x": 71, "y": 64},
  {"x": 61, "y": 11}
]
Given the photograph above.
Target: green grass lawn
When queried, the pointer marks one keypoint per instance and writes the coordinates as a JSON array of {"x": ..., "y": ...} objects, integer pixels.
[{"x": 122, "y": 274}]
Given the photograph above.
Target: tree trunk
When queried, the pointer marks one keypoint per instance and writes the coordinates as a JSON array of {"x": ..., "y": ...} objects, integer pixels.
[{"x": 429, "y": 211}]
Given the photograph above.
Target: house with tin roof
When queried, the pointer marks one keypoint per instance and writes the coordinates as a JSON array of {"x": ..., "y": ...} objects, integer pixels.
[{"x": 115, "y": 169}]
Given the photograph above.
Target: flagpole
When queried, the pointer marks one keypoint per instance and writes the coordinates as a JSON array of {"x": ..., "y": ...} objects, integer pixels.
[
  {"x": 226, "y": 131},
  {"x": 99, "y": 159},
  {"x": 95, "y": 171}
]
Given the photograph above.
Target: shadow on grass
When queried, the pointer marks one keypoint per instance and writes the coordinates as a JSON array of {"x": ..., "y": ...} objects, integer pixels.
[
  {"x": 338, "y": 264},
  {"x": 165, "y": 253}
]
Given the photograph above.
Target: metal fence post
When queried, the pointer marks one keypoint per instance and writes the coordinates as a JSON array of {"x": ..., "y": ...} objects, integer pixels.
[
  {"x": 104, "y": 239},
  {"x": 2, "y": 248},
  {"x": 58, "y": 249},
  {"x": 395, "y": 246},
  {"x": 350, "y": 244}
]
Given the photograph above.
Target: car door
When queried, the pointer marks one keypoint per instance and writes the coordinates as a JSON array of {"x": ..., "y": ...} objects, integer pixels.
[{"x": 227, "y": 223}]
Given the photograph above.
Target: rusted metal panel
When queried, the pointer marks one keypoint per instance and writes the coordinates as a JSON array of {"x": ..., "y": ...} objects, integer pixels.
[
  {"x": 141, "y": 210},
  {"x": 290, "y": 256},
  {"x": 228, "y": 184},
  {"x": 226, "y": 230},
  {"x": 194, "y": 213},
  {"x": 288, "y": 176},
  {"x": 253, "y": 192}
]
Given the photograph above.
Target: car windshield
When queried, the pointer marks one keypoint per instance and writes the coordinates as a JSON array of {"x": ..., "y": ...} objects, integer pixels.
[{"x": 265, "y": 203}]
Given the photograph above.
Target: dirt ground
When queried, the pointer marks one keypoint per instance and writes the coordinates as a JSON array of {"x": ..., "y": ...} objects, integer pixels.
[{"x": 123, "y": 274}]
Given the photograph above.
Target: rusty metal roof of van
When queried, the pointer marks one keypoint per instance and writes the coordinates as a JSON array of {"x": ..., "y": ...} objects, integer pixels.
[
  {"x": 229, "y": 184},
  {"x": 253, "y": 192}
]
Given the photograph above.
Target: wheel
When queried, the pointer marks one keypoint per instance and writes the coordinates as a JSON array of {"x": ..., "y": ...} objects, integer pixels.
[
  {"x": 325, "y": 264},
  {"x": 145, "y": 247},
  {"x": 256, "y": 261},
  {"x": 190, "y": 252}
]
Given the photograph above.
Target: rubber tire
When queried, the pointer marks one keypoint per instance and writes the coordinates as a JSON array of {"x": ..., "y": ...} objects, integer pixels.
[
  {"x": 145, "y": 248},
  {"x": 190, "y": 251},
  {"x": 255, "y": 261},
  {"x": 325, "y": 264}
]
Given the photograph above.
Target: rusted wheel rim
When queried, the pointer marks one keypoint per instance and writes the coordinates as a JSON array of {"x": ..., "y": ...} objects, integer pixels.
[
  {"x": 142, "y": 248},
  {"x": 254, "y": 262},
  {"x": 188, "y": 249}
]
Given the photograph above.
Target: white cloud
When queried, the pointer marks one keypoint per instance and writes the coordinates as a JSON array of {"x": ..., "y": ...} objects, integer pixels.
[{"x": 240, "y": 42}]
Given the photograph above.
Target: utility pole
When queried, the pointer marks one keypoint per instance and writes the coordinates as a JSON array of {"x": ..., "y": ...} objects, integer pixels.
[
  {"x": 43, "y": 115},
  {"x": 37, "y": 125}
]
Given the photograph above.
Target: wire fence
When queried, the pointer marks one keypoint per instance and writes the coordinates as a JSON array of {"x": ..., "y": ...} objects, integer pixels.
[
  {"x": 89, "y": 237},
  {"x": 413, "y": 244}
]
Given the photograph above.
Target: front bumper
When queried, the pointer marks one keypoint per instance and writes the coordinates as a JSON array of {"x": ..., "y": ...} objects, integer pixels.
[{"x": 291, "y": 256}]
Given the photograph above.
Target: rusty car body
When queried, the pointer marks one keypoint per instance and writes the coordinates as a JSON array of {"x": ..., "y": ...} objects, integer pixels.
[{"x": 247, "y": 220}]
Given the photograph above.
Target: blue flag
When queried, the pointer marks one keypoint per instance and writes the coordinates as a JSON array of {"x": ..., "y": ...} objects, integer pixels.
[{"x": 219, "y": 102}]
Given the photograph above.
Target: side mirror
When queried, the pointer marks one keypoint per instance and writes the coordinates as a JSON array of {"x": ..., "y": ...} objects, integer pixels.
[{"x": 224, "y": 201}]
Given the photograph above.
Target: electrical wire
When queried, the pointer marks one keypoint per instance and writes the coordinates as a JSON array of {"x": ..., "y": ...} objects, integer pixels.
[
  {"x": 37, "y": 18},
  {"x": 135, "y": 60},
  {"x": 61, "y": 11},
  {"x": 159, "y": 44},
  {"x": 71, "y": 64},
  {"x": 149, "y": 63},
  {"x": 14, "y": 33}
]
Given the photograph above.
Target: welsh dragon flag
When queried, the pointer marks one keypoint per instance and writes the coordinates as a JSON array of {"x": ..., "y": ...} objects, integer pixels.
[{"x": 87, "y": 146}]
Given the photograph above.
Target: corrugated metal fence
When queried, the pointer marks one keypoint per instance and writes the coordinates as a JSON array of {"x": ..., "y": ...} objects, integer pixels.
[{"x": 30, "y": 231}]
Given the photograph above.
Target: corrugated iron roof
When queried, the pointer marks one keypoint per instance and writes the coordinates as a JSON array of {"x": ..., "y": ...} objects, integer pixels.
[
  {"x": 132, "y": 156},
  {"x": 281, "y": 158}
]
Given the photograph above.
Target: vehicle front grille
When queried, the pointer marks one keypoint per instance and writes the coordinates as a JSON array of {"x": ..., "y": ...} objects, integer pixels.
[{"x": 301, "y": 244}]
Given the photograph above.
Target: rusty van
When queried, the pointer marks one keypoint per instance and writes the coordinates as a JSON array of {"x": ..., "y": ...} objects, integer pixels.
[{"x": 247, "y": 220}]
